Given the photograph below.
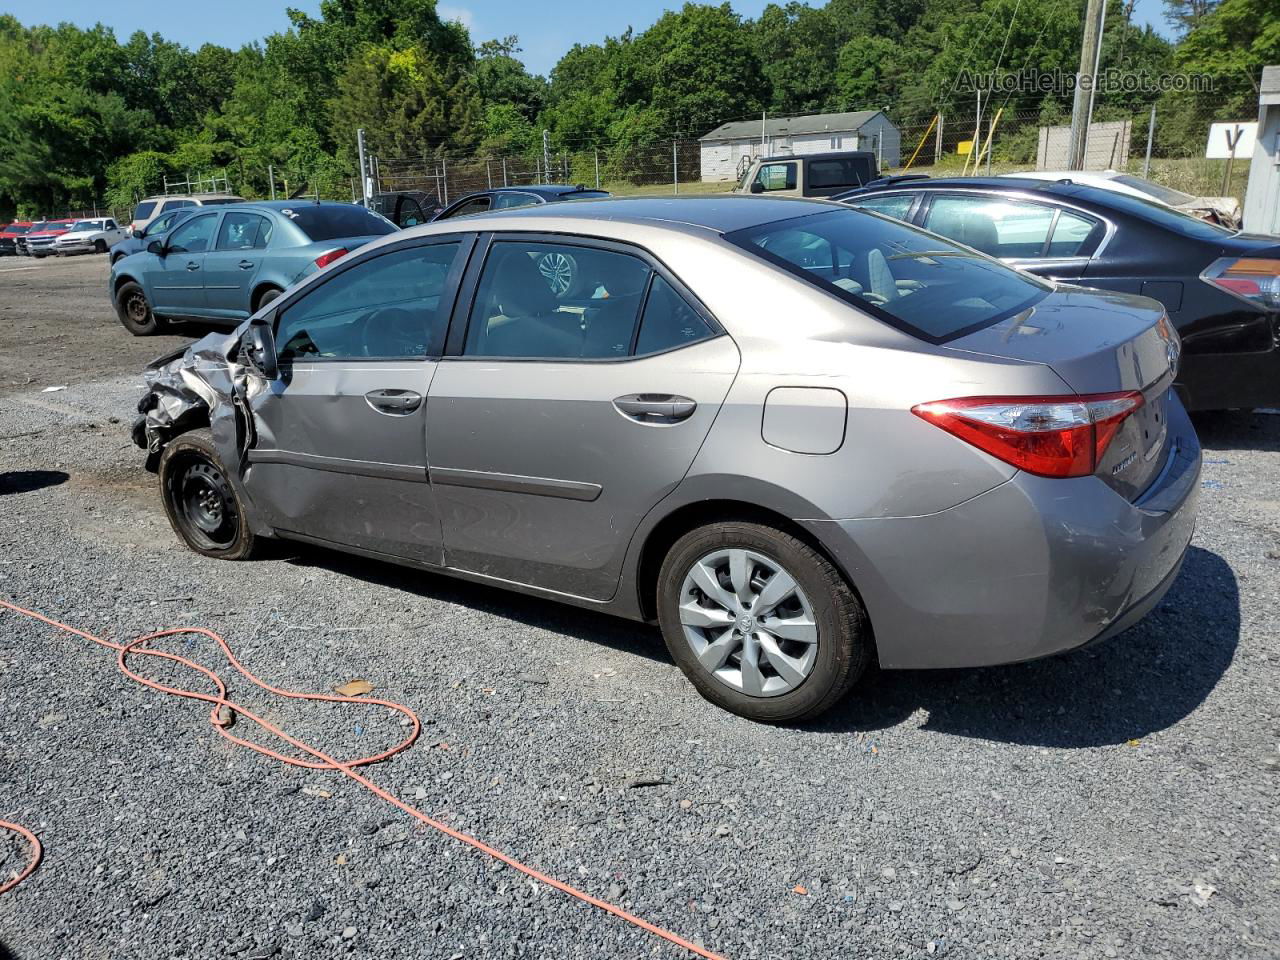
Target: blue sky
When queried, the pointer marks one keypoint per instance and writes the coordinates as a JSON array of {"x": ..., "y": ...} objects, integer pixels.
[{"x": 546, "y": 30}]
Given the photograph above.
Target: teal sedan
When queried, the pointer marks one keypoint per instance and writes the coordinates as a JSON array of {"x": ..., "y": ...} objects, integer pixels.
[{"x": 222, "y": 265}]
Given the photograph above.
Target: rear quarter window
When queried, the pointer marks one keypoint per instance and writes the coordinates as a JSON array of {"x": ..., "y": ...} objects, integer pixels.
[
  {"x": 838, "y": 172},
  {"x": 329, "y": 223},
  {"x": 922, "y": 284},
  {"x": 143, "y": 210}
]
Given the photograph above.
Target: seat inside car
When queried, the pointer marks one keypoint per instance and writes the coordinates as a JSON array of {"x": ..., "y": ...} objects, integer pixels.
[{"x": 520, "y": 315}]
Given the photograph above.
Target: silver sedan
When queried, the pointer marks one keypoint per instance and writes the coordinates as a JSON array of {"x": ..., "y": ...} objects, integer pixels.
[{"x": 800, "y": 437}]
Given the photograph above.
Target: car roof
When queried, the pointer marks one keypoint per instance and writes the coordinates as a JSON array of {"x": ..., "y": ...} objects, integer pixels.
[{"x": 720, "y": 213}]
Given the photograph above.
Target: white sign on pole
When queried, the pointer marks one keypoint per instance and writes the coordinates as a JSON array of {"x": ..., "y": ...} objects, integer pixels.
[{"x": 1231, "y": 139}]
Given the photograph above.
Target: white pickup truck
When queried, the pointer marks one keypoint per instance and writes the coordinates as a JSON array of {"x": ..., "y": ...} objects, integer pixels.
[{"x": 88, "y": 236}]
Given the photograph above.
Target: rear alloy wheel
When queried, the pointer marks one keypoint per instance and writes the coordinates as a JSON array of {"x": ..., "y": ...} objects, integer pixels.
[
  {"x": 135, "y": 312},
  {"x": 760, "y": 622},
  {"x": 200, "y": 502},
  {"x": 560, "y": 270}
]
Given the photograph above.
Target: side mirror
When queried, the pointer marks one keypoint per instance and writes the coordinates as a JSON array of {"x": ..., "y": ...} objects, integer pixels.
[
  {"x": 259, "y": 347},
  {"x": 757, "y": 187},
  {"x": 157, "y": 247}
]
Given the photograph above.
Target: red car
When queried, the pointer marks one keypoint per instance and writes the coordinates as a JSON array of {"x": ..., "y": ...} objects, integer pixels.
[
  {"x": 9, "y": 237},
  {"x": 39, "y": 242}
]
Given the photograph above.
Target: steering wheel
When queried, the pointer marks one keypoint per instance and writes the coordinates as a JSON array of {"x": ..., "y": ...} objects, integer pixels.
[{"x": 392, "y": 332}]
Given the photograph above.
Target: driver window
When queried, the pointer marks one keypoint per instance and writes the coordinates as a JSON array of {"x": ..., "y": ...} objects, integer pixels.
[
  {"x": 388, "y": 307},
  {"x": 777, "y": 176},
  {"x": 194, "y": 235},
  {"x": 478, "y": 205}
]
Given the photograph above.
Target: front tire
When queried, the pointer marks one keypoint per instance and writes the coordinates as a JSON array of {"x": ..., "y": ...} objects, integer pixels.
[
  {"x": 135, "y": 311},
  {"x": 202, "y": 506},
  {"x": 760, "y": 622},
  {"x": 99, "y": 246}
]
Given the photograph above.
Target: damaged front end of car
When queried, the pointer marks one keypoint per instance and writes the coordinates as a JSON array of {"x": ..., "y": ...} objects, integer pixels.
[{"x": 213, "y": 382}]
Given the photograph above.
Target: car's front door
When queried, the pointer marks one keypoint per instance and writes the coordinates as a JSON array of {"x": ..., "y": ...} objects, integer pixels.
[
  {"x": 1041, "y": 238},
  {"x": 566, "y": 407},
  {"x": 177, "y": 277},
  {"x": 229, "y": 268},
  {"x": 340, "y": 452}
]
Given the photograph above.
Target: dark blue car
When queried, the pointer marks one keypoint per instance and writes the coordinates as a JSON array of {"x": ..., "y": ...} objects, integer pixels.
[{"x": 221, "y": 264}]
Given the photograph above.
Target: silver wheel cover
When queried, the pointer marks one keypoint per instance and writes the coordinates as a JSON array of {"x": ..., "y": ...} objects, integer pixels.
[{"x": 748, "y": 622}]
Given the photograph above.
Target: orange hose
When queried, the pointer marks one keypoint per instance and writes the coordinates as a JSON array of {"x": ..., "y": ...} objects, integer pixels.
[
  {"x": 322, "y": 761},
  {"x": 36, "y": 851}
]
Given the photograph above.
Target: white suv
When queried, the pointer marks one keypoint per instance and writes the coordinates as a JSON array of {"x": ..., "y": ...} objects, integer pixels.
[
  {"x": 88, "y": 236},
  {"x": 152, "y": 207}
]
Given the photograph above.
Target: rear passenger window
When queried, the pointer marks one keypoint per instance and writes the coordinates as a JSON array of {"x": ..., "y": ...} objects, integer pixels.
[
  {"x": 896, "y": 205},
  {"x": 244, "y": 231},
  {"x": 387, "y": 307},
  {"x": 668, "y": 321},
  {"x": 999, "y": 228},
  {"x": 1074, "y": 236},
  {"x": 556, "y": 302}
]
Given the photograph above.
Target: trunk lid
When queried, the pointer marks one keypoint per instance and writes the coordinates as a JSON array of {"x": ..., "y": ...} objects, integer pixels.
[{"x": 1098, "y": 341}]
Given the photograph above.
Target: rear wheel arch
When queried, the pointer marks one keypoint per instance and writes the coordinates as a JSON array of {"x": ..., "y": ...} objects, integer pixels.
[
  {"x": 261, "y": 291},
  {"x": 664, "y": 534}
]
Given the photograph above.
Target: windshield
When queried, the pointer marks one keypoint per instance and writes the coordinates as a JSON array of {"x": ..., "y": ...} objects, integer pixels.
[
  {"x": 331, "y": 222},
  {"x": 59, "y": 227},
  {"x": 16, "y": 228},
  {"x": 86, "y": 225},
  {"x": 1159, "y": 191},
  {"x": 929, "y": 287},
  {"x": 38, "y": 225},
  {"x": 144, "y": 209}
]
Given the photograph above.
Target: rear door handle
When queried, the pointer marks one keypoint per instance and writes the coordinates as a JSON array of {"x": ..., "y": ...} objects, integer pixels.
[
  {"x": 246, "y": 264},
  {"x": 192, "y": 265},
  {"x": 394, "y": 403},
  {"x": 655, "y": 408}
]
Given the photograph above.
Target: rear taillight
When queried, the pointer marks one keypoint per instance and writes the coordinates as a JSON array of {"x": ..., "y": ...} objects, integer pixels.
[
  {"x": 328, "y": 257},
  {"x": 1255, "y": 280},
  {"x": 1047, "y": 436}
]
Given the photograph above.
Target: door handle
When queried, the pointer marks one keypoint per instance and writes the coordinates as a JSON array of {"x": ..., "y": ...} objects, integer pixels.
[
  {"x": 655, "y": 408},
  {"x": 246, "y": 264},
  {"x": 393, "y": 403},
  {"x": 192, "y": 265}
]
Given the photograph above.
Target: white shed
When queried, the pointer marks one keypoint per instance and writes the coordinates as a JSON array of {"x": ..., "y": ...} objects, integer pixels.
[{"x": 724, "y": 148}]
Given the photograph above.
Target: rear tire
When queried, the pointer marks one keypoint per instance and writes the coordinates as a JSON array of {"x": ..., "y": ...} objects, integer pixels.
[
  {"x": 823, "y": 640},
  {"x": 265, "y": 297},
  {"x": 202, "y": 506},
  {"x": 135, "y": 312}
]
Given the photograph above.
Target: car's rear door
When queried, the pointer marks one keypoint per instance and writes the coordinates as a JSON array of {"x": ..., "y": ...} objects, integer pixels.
[
  {"x": 177, "y": 277},
  {"x": 580, "y": 381},
  {"x": 1042, "y": 238},
  {"x": 340, "y": 450},
  {"x": 236, "y": 257}
]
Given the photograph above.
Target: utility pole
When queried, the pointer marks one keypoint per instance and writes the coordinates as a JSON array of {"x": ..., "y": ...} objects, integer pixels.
[
  {"x": 546, "y": 153},
  {"x": 1151, "y": 132},
  {"x": 271, "y": 175},
  {"x": 364, "y": 176},
  {"x": 1082, "y": 103}
]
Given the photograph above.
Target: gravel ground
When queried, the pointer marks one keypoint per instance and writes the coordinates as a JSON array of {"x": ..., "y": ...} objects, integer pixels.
[{"x": 1118, "y": 802}]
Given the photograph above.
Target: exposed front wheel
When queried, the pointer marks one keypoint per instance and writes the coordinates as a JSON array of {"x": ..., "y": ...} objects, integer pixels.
[
  {"x": 135, "y": 312},
  {"x": 200, "y": 502},
  {"x": 99, "y": 246},
  {"x": 761, "y": 623}
]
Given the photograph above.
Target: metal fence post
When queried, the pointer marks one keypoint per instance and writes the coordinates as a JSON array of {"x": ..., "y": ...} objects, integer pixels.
[
  {"x": 504, "y": 171},
  {"x": 596, "y": 151},
  {"x": 937, "y": 143},
  {"x": 1151, "y": 131},
  {"x": 364, "y": 176},
  {"x": 488, "y": 174},
  {"x": 546, "y": 153},
  {"x": 271, "y": 175},
  {"x": 675, "y": 169},
  {"x": 444, "y": 178}
]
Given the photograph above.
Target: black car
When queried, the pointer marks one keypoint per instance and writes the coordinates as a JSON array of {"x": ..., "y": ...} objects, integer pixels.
[
  {"x": 506, "y": 198},
  {"x": 1221, "y": 288},
  {"x": 406, "y": 208},
  {"x": 156, "y": 228}
]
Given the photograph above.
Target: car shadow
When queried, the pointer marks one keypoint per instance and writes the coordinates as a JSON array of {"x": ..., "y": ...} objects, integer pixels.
[
  {"x": 1237, "y": 430},
  {"x": 1142, "y": 681},
  {"x": 626, "y": 636},
  {"x": 25, "y": 481}
]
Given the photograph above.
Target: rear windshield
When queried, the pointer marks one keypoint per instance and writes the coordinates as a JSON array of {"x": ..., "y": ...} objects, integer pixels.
[
  {"x": 143, "y": 210},
  {"x": 1157, "y": 190},
  {"x": 920, "y": 283},
  {"x": 331, "y": 222},
  {"x": 587, "y": 195},
  {"x": 1167, "y": 217}
]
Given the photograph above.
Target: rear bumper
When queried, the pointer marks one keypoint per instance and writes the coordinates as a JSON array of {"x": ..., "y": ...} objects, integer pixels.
[{"x": 1031, "y": 568}]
